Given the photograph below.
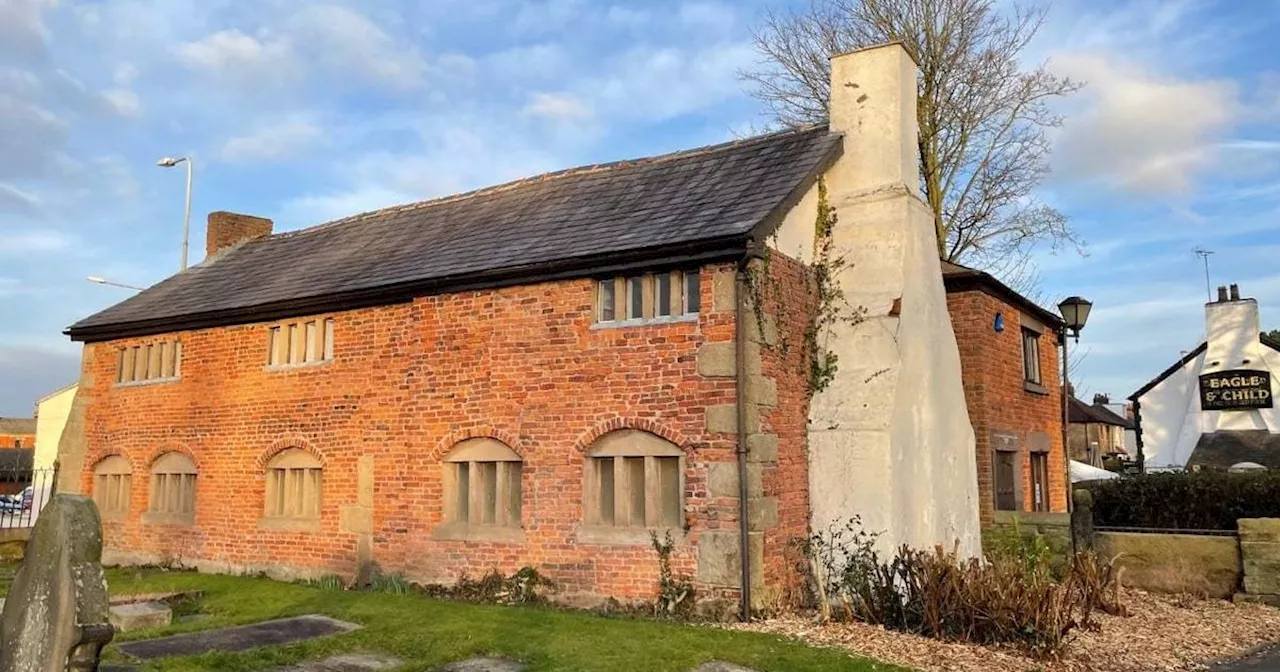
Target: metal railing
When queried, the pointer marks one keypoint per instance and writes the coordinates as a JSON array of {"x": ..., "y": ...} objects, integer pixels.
[{"x": 23, "y": 493}]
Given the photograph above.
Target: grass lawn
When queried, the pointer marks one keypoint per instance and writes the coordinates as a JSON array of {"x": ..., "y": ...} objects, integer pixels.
[{"x": 427, "y": 632}]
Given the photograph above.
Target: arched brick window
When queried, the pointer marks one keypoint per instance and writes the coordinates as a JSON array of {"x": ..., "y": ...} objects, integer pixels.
[
  {"x": 173, "y": 489},
  {"x": 111, "y": 482},
  {"x": 482, "y": 484},
  {"x": 294, "y": 486},
  {"x": 634, "y": 479}
]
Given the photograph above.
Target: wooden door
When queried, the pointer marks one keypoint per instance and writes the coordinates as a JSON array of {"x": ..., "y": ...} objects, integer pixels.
[{"x": 1006, "y": 483}]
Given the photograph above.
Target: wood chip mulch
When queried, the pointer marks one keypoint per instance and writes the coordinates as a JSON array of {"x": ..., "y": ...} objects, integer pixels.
[{"x": 1161, "y": 633}]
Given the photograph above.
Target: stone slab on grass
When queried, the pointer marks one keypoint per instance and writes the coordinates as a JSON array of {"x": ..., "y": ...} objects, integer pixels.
[
  {"x": 721, "y": 666},
  {"x": 483, "y": 664},
  {"x": 139, "y": 615},
  {"x": 267, "y": 633},
  {"x": 169, "y": 597},
  {"x": 351, "y": 662}
]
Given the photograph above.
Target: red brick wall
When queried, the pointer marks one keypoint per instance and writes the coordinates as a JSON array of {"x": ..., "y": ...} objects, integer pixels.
[
  {"x": 10, "y": 440},
  {"x": 788, "y": 299},
  {"x": 409, "y": 381},
  {"x": 991, "y": 364}
]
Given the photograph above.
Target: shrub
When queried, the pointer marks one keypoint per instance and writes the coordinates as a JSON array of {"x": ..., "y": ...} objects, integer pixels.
[
  {"x": 526, "y": 586},
  {"x": 1005, "y": 600},
  {"x": 675, "y": 593},
  {"x": 1205, "y": 500}
]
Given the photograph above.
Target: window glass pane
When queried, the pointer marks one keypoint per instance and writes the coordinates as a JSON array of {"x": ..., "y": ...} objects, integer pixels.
[
  {"x": 604, "y": 479},
  {"x": 635, "y": 298},
  {"x": 669, "y": 473},
  {"x": 464, "y": 491},
  {"x": 607, "y": 300},
  {"x": 692, "y": 292},
  {"x": 635, "y": 481},
  {"x": 662, "y": 284}
]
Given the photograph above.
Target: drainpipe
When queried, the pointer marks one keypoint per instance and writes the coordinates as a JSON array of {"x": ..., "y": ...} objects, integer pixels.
[{"x": 740, "y": 377}]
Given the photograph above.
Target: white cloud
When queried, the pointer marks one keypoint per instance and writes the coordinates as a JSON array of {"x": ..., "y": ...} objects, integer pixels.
[
  {"x": 1146, "y": 134},
  {"x": 556, "y": 106},
  {"x": 273, "y": 141},
  {"x": 125, "y": 74},
  {"x": 28, "y": 242},
  {"x": 233, "y": 56},
  {"x": 348, "y": 41},
  {"x": 13, "y": 199},
  {"x": 123, "y": 101},
  {"x": 655, "y": 84}
]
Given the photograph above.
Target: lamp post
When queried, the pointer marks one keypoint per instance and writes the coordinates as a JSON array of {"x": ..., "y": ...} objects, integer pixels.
[
  {"x": 103, "y": 281},
  {"x": 1075, "y": 312},
  {"x": 169, "y": 162}
]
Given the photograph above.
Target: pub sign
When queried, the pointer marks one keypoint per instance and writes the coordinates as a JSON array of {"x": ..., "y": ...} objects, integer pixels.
[{"x": 1236, "y": 390}]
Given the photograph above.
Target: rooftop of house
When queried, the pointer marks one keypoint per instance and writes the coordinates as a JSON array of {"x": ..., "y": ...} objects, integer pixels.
[
  {"x": 17, "y": 425},
  {"x": 689, "y": 207},
  {"x": 1081, "y": 413},
  {"x": 958, "y": 278}
]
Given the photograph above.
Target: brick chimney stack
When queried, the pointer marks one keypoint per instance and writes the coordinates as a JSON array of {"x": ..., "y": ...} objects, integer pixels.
[{"x": 226, "y": 229}]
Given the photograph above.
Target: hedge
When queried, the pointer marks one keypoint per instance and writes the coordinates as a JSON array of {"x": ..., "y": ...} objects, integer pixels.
[{"x": 1205, "y": 500}]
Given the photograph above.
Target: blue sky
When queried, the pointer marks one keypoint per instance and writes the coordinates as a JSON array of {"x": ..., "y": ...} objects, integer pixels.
[{"x": 304, "y": 112}]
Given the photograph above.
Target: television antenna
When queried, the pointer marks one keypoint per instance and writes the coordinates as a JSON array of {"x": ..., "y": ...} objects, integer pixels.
[{"x": 1204, "y": 255}]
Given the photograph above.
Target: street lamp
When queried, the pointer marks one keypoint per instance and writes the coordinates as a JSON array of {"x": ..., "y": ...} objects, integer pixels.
[
  {"x": 1075, "y": 312},
  {"x": 103, "y": 281},
  {"x": 169, "y": 162}
]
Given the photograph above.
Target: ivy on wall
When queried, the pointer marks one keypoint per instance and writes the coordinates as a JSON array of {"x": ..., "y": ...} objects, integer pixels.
[{"x": 818, "y": 365}]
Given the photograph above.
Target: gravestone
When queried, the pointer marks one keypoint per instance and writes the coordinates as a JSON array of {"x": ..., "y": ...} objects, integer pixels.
[{"x": 55, "y": 616}]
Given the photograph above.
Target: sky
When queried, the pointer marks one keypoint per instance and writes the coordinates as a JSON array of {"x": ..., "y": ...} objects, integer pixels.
[{"x": 306, "y": 112}]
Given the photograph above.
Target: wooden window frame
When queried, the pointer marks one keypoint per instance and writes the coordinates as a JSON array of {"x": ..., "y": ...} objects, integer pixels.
[
  {"x": 615, "y": 465},
  {"x": 298, "y": 343},
  {"x": 172, "y": 495},
  {"x": 649, "y": 285},
  {"x": 113, "y": 487},
  {"x": 483, "y": 491},
  {"x": 1031, "y": 373},
  {"x": 293, "y": 493}
]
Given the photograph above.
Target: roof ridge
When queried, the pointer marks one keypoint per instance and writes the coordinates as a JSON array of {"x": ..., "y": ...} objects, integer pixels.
[{"x": 544, "y": 177}]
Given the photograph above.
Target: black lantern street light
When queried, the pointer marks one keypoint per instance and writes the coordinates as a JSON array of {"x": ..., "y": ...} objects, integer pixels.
[{"x": 1075, "y": 312}]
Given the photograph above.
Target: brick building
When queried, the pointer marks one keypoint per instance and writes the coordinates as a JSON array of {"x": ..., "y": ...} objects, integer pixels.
[
  {"x": 545, "y": 372},
  {"x": 1009, "y": 353},
  {"x": 17, "y": 433}
]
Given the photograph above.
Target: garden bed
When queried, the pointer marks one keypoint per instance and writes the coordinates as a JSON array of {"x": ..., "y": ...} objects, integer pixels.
[{"x": 1161, "y": 633}]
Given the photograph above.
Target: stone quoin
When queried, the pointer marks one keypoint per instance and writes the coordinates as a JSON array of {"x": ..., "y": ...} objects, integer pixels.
[{"x": 545, "y": 372}]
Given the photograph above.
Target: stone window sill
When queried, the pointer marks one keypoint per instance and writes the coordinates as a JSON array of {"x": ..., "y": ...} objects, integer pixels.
[
  {"x": 289, "y": 524},
  {"x": 645, "y": 321},
  {"x": 113, "y": 516},
  {"x": 628, "y": 536},
  {"x": 152, "y": 381},
  {"x": 297, "y": 367},
  {"x": 178, "y": 519},
  {"x": 1035, "y": 388},
  {"x": 465, "y": 532}
]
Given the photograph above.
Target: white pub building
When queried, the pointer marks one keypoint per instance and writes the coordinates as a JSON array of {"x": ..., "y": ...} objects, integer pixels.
[{"x": 1214, "y": 408}]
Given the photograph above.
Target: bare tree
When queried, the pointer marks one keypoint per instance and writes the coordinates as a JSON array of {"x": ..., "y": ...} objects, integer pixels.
[{"x": 982, "y": 115}]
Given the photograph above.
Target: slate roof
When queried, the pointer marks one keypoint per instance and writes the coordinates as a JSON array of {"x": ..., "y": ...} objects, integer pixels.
[
  {"x": 1082, "y": 413},
  {"x": 959, "y": 278},
  {"x": 17, "y": 425},
  {"x": 692, "y": 206},
  {"x": 1227, "y": 448}
]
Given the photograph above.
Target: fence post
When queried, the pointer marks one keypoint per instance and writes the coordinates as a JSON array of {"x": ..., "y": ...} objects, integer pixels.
[{"x": 1082, "y": 521}]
